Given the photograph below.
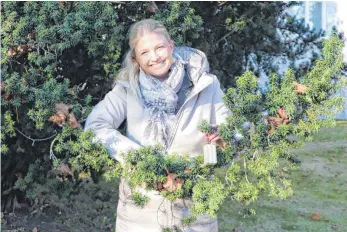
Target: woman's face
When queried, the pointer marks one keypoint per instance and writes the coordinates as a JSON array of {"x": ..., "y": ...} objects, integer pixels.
[{"x": 154, "y": 54}]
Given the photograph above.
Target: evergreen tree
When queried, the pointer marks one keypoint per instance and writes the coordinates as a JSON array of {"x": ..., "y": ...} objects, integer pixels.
[{"x": 254, "y": 36}]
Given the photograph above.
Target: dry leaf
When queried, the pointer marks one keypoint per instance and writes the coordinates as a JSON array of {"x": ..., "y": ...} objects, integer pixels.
[
  {"x": 63, "y": 170},
  {"x": 221, "y": 3},
  {"x": 73, "y": 121},
  {"x": 7, "y": 96},
  {"x": 187, "y": 171},
  {"x": 19, "y": 175},
  {"x": 274, "y": 122},
  {"x": 58, "y": 119},
  {"x": 31, "y": 36},
  {"x": 64, "y": 114},
  {"x": 22, "y": 48},
  {"x": 83, "y": 175},
  {"x": 173, "y": 183},
  {"x": 12, "y": 52},
  {"x": 281, "y": 119},
  {"x": 152, "y": 7},
  {"x": 299, "y": 88},
  {"x": 158, "y": 186},
  {"x": 281, "y": 113},
  {"x": 315, "y": 216},
  {"x": 62, "y": 3},
  {"x": 63, "y": 108}
]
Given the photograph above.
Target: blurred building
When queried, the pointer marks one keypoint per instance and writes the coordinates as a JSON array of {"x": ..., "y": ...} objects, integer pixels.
[
  {"x": 326, "y": 15},
  {"x": 323, "y": 15}
]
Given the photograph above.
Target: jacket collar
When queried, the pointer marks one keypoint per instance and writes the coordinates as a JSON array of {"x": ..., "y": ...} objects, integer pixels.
[{"x": 195, "y": 62}]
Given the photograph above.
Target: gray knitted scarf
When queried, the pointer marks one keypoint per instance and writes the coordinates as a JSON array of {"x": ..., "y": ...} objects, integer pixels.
[{"x": 161, "y": 101}]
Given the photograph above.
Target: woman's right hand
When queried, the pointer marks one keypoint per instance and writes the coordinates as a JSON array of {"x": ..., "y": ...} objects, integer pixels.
[{"x": 215, "y": 138}]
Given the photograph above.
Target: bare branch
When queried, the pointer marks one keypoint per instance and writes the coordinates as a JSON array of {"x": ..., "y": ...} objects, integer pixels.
[{"x": 35, "y": 140}]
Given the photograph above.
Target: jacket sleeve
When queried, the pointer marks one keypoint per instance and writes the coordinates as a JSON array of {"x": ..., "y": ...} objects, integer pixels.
[
  {"x": 105, "y": 119},
  {"x": 220, "y": 111}
]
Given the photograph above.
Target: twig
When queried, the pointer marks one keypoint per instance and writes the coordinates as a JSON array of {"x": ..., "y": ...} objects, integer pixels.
[
  {"x": 35, "y": 140},
  {"x": 17, "y": 114},
  {"x": 244, "y": 164},
  {"x": 51, "y": 154},
  {"x": 224, "y": 37}
]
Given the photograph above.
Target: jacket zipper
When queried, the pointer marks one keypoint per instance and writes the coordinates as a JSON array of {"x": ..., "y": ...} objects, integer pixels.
[{"x": 179, "y": 115}]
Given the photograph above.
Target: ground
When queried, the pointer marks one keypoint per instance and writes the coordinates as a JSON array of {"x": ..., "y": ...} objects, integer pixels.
[{"x": 319, "y": 202}]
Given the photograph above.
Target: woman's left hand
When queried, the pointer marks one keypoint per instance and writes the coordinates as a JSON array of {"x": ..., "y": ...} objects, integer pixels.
[{"x": 215, "y": 138}]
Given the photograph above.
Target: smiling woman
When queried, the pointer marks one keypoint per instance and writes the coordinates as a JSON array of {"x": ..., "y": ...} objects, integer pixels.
[{"x": 164, "y": 93}]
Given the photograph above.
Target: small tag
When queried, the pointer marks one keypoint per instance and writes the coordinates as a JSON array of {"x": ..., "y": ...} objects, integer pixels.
[{"x": 210, "y": 154}]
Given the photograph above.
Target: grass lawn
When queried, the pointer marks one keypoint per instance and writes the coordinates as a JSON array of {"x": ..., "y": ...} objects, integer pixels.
[{"x": 320, "y": 187}]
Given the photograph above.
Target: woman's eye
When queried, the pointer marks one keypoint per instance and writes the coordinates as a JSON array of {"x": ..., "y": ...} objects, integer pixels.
[
  {"x": 143, "y": 53},
  {"x": 160, "y": 47}
]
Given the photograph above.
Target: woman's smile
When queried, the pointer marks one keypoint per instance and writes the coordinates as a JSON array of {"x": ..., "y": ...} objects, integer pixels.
[{"x": 160, "y": 64}]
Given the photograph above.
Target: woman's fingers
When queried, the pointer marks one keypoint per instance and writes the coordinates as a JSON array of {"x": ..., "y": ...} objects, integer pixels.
[
  {"x": 216, "y": 139},
  {"x": 213, "y": 137}
]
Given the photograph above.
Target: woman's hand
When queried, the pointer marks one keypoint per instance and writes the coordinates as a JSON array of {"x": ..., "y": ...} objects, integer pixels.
[{"x": 215, "y": 138}]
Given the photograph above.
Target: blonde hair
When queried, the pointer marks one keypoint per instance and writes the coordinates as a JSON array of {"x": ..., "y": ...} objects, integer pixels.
[{"x": 130, "y": 67}]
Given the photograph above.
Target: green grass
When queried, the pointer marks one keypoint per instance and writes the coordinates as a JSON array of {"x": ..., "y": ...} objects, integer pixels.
[
  {"x": 339, "y": 132},
  {"x": 320, "y": 186}
]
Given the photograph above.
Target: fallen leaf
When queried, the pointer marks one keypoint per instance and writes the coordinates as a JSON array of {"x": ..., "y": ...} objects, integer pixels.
[
  {"x": 173, "y": 183},
  {"x": 187, "y": 171},
  {"x": 315, "y": 216}
]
